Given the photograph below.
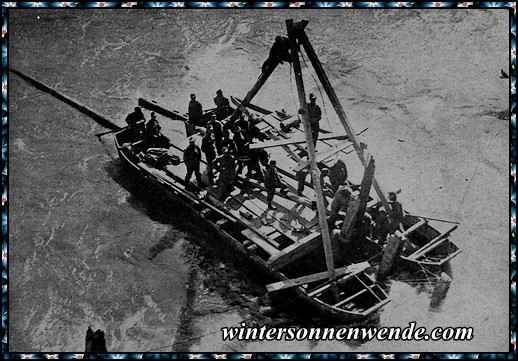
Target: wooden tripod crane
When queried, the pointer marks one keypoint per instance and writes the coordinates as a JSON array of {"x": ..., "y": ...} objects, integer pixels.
[{"x": 298, "y": 37}]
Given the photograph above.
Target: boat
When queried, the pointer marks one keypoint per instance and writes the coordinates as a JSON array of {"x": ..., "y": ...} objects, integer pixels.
[
  {"x": 270, "y": 247},
  {"x": 292, "y": 243}
]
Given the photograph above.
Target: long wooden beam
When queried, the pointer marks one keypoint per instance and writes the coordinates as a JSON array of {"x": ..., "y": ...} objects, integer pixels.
[
  {"x": 281, "y": 142},
  {"x": 293, "y": 30},
  {"x": 303, "y": 39},
  {"x": 294, "y": 282},
  {"x": 161, "y": 110},
  {"x": 99, "y": 118},
  {"x": 255, "y": 89}
]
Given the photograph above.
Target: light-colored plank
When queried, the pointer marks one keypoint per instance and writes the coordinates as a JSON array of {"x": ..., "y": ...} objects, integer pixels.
[
  {"x": 296, "y": 250},
  {"x": 282, "y": 285},
  {"x": 260, "y": 241},
  {"x": 418, "y": 253},
  {"x": 295, "y": 140}
]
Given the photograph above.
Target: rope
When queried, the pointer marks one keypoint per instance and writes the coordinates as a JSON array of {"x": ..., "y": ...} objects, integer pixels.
[{"x": 321, "y": 96}]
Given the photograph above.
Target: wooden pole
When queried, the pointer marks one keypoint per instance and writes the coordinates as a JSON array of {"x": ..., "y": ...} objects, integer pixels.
[
  {"x": 315, "y": 172},
  {"x": 255, "y": 89},
  {"x": 303, "y": 39},
  {"x": 357, "y": 206}
]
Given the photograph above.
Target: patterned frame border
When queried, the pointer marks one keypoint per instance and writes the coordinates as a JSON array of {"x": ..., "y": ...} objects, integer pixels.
[{"x": 512, "y": 117}]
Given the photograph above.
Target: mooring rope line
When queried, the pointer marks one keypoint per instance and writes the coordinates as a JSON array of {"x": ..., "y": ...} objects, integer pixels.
[{"x": 321, "y": 96}]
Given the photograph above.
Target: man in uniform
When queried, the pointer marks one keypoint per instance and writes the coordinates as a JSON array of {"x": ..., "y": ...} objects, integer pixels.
[
  {"x": 271, "y": 182},
  {"x": 381, "y": 227},
  {"x": 192, "y": 159},
  {"x": 314, "y": 116},
  {"x": 136, "y": 123},
  {"x": 222, "y": 105},
  {"x": 195, "y": 111},
  {"x": 279, "y": 52},
  {"x": 217, "y": 130},
  {"x": 395, "y": 213},
  {"x": 337, "y": 175},
  {"x": 340, "y": 202},
  {"x": 208, "y": 147},
  {"x": 227, "y": 172}
]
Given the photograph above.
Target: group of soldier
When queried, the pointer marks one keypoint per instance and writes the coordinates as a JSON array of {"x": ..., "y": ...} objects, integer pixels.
[
  {"x": 226, "y": 148},
  {"x": 148, "y": 131}
]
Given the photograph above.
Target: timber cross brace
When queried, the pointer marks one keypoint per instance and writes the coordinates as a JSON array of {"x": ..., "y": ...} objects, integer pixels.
[{"x": 298, "y": 33}]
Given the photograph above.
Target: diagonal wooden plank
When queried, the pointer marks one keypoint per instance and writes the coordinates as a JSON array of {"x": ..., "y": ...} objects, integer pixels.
[
  {"x": 294, "y": 140},
  {"x": 282, "y": 285}
]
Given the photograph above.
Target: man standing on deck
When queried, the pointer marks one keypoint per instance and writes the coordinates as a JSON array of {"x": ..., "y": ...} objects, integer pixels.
[
  {"x": 227, "y": 173},
  {"x": 314, "y": 116},
  {"x": 192, "y": 159},
  {"x": 209, "y": 148},
  {"x": 271, "y": 182},
  {"x": 222, "y": 106},
  {"x": 395, "y": 213},
  {"x": 195, "y": 111},
  {"x": 217, "y": 130}
]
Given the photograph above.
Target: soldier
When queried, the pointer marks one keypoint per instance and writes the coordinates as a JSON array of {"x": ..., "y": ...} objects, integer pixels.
[
  {"x": 136, "y": 123},
  {"x": 208, "y": 147},
  {"x": 314, "y": 116},
  {"x": 228, "y": 142},
  {"x": 195, "y": 111},
  {"x": 271, "y": 182},
  {"x": 222, "y": 106},
  {"x": 301, "y": 179},
  {"x": 152, "y": 134},
  {"x": 337, "y": 175},
  {"x": 227, "y": 172},
  {"x": 192, "y": 159},
  {"x": 257, "y": 157},
  {"x": 395, "y": 213},
  {"x": 217, "y": 129},
  {"x": 381, "y": 227},
  {"x": 340, "y": 202},
  {"x": 242, "y": 150},
  {"x": 279, "y": 52}
]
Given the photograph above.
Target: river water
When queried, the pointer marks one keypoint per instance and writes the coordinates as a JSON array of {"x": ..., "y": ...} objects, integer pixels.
[{"x": 92, "y": 245}]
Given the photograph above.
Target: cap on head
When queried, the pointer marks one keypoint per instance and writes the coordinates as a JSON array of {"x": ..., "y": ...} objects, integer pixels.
[
  {"x": 273, "y": 162},
  {"x": 193, "y": 95},
  {"x": 312, "y": 96},
  {"x": 392, "y": 195},
  {"x": 325, "y": 171}
]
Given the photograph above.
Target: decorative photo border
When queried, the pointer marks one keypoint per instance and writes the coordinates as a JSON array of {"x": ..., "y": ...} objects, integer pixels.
[{"x": 424, "y": 5}]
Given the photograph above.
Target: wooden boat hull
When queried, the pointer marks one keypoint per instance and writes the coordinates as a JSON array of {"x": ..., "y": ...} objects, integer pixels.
[
  {"x": 230, "y": 231},
  {"x": 428, "y": 247}
]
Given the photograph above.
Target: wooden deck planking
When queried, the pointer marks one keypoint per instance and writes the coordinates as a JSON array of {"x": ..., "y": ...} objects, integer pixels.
[
  {"x": 300, "y": 248},
  {"x": 270, "y": 249}
]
